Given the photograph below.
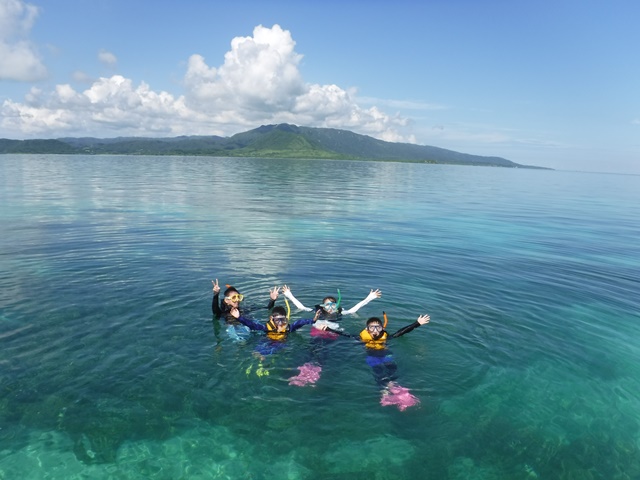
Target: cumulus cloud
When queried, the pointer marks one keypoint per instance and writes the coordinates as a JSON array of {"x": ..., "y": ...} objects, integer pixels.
[
  {"x": 111, "y": 106},
  {"x": 19, "y": 58},
  {"x": 259, "y": 75},
  {"x": 107, "y": 58},
  {"x": 259, "y": 82}
]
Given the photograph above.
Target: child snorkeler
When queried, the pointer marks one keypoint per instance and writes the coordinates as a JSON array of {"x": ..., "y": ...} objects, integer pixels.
[
  {"x": 323, "y": 331},
  {"x": 330, "y": 310},
  {"x": 380, "y": 359},
  {"x": 277, "y": 329}
]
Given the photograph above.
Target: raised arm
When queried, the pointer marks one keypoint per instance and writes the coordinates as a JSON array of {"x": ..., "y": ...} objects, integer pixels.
[
  {"x": 286, "y": 291},
  {"x": 305, "y": 321},
  {"x": 373, "y": 294},
  {"x": 246, "y": 321},
  {"x": 273, "y": 296},
  {"x": 215, "y": 303},
  {"x": 422, "y": 319}
]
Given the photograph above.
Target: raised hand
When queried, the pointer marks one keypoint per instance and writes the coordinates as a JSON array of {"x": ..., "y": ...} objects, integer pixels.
[
  {"x": 273, "y": 293},
  {"x": 422, "y": 319},
  {"x": 374, "y": 294},
  {"x": 216, "y": 287},
  {"x": 285, "y": 290}
]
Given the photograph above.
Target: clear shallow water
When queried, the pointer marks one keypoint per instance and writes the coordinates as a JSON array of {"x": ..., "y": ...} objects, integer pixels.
[{"x": 112, "y": 367}]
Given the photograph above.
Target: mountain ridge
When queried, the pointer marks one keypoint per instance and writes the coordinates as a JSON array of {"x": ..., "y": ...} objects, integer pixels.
[{"x": 267, "y": 141}]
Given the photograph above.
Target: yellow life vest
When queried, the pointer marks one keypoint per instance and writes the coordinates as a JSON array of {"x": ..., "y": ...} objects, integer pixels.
[
  {"x": 273, "y": 333},
  {"x": 369, "y": 342}
]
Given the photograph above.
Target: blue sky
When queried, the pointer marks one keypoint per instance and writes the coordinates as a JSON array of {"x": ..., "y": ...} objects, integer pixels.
[{"x": 547, "y": 83}]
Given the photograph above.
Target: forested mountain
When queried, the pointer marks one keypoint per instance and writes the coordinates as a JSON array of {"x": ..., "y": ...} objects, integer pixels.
[{"x": 268, "y": 141}]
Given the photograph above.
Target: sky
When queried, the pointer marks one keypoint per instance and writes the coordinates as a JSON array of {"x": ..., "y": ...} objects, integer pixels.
[{"x": 551, "y": 83}]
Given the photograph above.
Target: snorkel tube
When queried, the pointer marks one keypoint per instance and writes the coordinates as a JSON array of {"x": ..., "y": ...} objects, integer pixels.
[
  {"x": 386, "y": 320},
  {"x": 288, "y": 309},
  {"x": 338, "y": 302}
]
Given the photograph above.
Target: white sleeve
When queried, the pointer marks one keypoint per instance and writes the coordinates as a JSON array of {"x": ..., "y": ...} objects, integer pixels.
[
  {"x": 332, "y": 325},
  {"x": 296, "y": 302},
  {"x": 358, "y": 306}
]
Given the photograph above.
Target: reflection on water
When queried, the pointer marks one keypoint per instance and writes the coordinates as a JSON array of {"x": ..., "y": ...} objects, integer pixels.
[{"x": 112, "y": 366}]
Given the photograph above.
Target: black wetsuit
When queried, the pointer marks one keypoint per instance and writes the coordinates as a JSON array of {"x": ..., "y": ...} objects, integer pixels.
[
  {"x": 221, "y": 309},
  {"x": 399, "y": 333}
]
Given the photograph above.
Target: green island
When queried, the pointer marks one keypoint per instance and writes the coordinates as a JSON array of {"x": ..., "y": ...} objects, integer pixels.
[{"x": 268, "y": 141}]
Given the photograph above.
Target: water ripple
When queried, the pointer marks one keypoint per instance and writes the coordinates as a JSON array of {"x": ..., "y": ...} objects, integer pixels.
[{"x": 109, "y": 350}]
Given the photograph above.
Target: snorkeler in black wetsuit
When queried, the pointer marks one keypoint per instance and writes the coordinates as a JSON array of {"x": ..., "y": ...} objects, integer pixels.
[
  {"x": 232, "y": 299},
  {"x": 222, "y": 309},
  {"x": 375, "y": 337},
  {"x": 382, "y": 363}
]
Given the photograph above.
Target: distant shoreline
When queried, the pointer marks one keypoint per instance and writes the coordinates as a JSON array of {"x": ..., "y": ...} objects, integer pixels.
[
  {"x": 332, "y": 159},
  {"x": 268, "y": 141}
]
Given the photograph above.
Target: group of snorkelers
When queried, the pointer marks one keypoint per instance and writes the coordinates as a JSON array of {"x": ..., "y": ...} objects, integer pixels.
[{"x": 325, "y": 326}]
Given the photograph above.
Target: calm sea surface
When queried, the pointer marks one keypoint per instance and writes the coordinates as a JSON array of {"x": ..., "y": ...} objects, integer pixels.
[{"x": 112, "y": 366}]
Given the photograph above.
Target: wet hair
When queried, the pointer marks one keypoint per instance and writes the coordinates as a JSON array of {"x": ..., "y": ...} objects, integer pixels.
[
  {"x": 278, "y": 311},
  {"x": 331, "y": 299},
  {"x": 230, "y": 290},
  {"x": 374, "y": 320}
]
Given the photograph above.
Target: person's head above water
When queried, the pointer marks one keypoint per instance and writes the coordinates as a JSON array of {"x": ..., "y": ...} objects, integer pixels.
[
  {"x": 375, "y": 327},
  {"x": 329, "y": 305},
  {"x": 232, "y": 297},
  {"x": 279, "y": 318}
]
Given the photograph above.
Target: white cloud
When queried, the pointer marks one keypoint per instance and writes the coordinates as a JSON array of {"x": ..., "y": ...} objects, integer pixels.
[
  {"x": 107, "y": 58},
  {"x": 111, "y": 106},
  {"x": 259, "y": 76},
  {"x": 258, "y": 83},
  {"x": 16, "y": 18},
  {"x": 19, "y": 59}
]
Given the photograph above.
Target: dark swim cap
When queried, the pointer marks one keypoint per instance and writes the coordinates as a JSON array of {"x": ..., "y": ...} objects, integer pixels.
[
  {"x": 229, "y": 290},
  {"x": 374, "y": 320}
]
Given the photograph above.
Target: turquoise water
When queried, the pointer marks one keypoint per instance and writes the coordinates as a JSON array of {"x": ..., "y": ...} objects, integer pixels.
[{"x": 112, "y": 367}]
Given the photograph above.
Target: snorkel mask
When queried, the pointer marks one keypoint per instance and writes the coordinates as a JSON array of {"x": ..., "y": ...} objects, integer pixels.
[
  {"x": 279, "y": 320},
  {"x": 376, "y": 328},
  {"x": 331, "y": 307},
  {"x": 234, "y": 296}
]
